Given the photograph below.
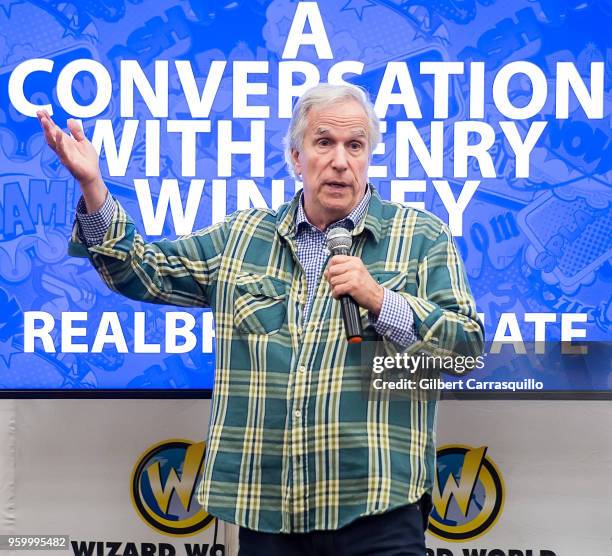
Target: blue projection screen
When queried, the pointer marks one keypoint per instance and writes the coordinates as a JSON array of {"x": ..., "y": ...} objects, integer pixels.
[{"x": 527, "y": 84}]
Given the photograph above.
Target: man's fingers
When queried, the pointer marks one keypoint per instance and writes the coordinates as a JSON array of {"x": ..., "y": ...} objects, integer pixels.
[
  {"x": 340, "y": 279},
  {"x": 338, "y": 259},
  {"x": 44, "y": 119},
  {"x": 341, "y": 289},
  {"x": 341, "y": 263},
  {"x": 55, "y": 136},
  {"x": 60, "y": 146},
  {"x": 50, "y": 137},
  {"x": 340, "y": 268},
  {"x": 48, "y": 128},
  {"x": 76, "y": 128}
]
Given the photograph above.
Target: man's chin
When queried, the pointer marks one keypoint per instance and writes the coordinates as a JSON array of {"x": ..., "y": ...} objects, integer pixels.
[
  {"x": 339, "y": 207},
  {"x": 339, "y": 196}
]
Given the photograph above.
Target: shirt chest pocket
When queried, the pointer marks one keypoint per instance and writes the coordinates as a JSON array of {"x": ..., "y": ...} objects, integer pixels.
[{"x": 260, "y": 304}]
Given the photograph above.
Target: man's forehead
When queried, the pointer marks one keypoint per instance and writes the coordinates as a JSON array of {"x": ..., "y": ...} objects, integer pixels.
[{"x": 348, "y": 115}]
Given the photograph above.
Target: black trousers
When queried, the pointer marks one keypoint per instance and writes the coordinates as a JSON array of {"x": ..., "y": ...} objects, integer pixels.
[{"x": 398, "y": 532}]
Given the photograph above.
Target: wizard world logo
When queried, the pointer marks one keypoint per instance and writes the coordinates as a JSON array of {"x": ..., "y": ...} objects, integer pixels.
[
  {"x": 468, "y": 495},
  {"x": 164, "y": 487}
]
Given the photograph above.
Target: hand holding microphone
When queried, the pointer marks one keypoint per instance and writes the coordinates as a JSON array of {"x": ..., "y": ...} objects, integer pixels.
[{"x": 351, "y": 283}]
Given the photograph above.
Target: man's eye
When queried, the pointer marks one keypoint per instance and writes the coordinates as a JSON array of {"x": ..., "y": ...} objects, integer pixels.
[
  {"x": 355, "y": 145},
  {"x": 323, "y": 142}
]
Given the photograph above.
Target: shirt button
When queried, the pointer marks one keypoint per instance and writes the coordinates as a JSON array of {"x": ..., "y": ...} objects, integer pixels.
[
  {"x": 302, "y": 369},
  {"x": 297, "y": 413},
  {"x": 299, "y": 330}
]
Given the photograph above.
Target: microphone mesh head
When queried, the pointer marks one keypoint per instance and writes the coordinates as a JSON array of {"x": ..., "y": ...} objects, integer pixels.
[{"x": 339, "y": 238}]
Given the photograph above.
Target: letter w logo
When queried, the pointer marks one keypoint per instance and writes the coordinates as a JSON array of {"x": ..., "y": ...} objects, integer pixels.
[
  {"x": 462, "y": 491},
  {"x": 184, "y": 486}
]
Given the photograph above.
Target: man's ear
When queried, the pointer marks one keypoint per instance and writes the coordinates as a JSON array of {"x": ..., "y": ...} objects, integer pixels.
[{"x": 297, "y": 166}]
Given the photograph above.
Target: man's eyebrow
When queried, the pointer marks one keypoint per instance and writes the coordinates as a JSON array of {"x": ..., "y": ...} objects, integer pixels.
[{"x": 357, "y": 132}]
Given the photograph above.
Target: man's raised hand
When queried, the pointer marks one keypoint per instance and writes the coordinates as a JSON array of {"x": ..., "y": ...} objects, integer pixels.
[{"x": 77, "y": 154}]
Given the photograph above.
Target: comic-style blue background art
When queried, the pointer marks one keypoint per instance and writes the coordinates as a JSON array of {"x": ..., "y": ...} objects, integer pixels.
[{"x": 506, "y": 226}]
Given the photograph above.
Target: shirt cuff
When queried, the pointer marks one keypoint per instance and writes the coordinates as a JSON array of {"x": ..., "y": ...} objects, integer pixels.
[
  {"x": 396, "y": 320},
  {"x": 93, "y": 226}
]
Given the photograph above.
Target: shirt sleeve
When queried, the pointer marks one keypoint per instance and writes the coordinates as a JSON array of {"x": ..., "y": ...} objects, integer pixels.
[
  {"x": 395, "y": 321},
  {"x": 444, "y": 311},
  {"x": 92, "y": 226},
  {"x": 179, "y": 272}
]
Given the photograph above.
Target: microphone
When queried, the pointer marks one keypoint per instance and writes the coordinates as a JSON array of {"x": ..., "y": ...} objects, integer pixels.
[{"x": 339, "y": 242}]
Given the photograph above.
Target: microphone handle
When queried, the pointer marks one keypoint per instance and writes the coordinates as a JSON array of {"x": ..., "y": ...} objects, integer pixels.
[
  {"x": 350, "y": 311},
  {"x": 352, "y": 319}
]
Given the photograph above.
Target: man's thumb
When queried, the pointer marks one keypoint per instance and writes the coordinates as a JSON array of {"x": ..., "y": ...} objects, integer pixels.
[{"x": 76, "y": 129}]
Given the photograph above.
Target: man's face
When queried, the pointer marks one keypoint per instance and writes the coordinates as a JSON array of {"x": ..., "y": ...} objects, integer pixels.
[{"x": 333, "y": 162}]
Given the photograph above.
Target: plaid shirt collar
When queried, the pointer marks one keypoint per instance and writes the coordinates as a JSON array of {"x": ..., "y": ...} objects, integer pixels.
[
  {"x": 349, "y": 221},
  {"x": 291, "y": 217}
]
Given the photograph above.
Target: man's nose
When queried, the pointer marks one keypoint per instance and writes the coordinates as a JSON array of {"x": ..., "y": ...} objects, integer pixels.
[{"x": 339, "y": 160}]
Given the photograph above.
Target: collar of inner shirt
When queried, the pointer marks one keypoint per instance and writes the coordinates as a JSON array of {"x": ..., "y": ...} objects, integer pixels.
[{"x": 349, "y": 221}]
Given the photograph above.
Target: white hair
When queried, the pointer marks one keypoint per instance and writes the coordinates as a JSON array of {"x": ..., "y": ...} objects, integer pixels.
[{"x": 323, "y": 96}]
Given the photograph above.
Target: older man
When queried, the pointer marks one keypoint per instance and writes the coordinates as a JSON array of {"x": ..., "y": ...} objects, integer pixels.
[{"x": 297, "y": 455}]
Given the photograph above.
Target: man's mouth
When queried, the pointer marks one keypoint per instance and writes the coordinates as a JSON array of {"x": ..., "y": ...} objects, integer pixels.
[{"x": 337, "y": 184}]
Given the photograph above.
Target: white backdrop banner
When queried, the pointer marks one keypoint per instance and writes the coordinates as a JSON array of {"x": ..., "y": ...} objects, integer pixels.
[
  {"x": 523, "y": 478},
  {"x": 7, "y": 465},
  {"x": 515, "y": 478},
  {"x": 116, "y": 476}
]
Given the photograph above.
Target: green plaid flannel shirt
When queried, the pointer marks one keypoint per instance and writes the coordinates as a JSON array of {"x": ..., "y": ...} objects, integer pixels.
[{"x": 294, "y": 445}]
